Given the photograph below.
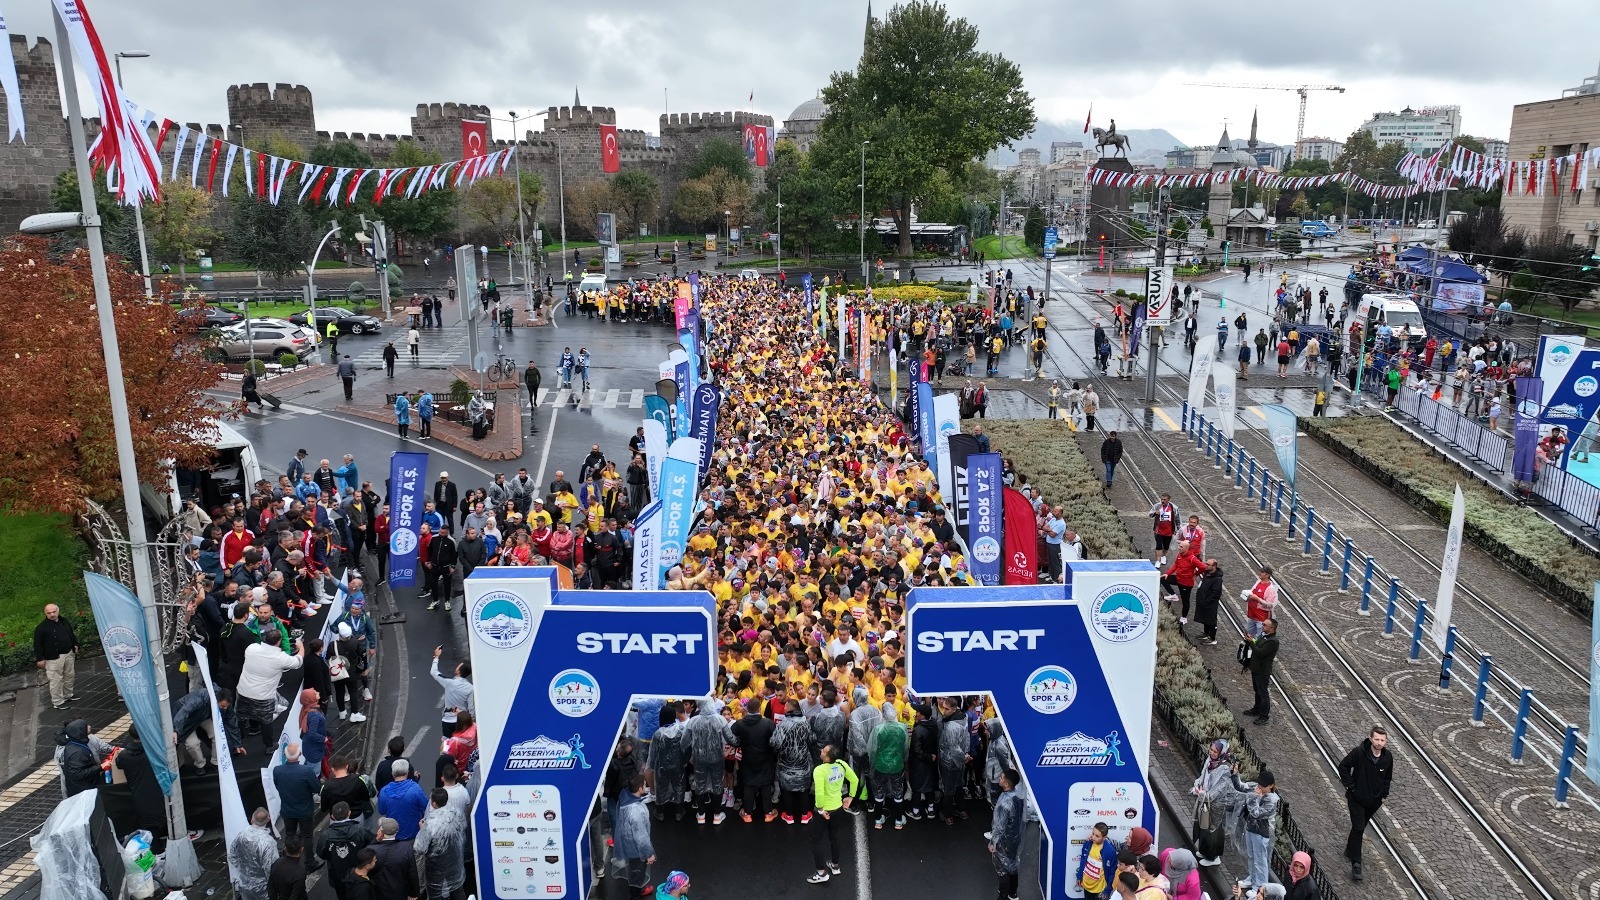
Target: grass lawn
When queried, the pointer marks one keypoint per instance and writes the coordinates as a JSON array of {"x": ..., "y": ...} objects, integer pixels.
[
  {"x": 41, "y": 561},
  {"x": 1012, "y": 247},
  {"x": 246, "y": 267}
]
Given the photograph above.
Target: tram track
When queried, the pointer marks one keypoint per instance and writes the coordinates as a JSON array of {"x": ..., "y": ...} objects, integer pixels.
[{"x": 1389, "y": 835}]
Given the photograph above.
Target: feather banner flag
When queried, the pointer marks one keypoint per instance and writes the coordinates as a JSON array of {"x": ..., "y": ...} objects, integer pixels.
[{"x": 8, "y": 81}]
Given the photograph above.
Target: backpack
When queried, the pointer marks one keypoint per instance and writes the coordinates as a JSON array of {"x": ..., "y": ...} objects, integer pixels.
[
  {"x": 1243, "y": 654},
  {"x": 891, "y": 755}
]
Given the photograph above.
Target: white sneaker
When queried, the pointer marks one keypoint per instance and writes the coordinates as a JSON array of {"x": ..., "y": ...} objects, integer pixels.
[
  {"x": 818, "y": 878},
  {"x": 358, "y": 717},
  {"x": 719, "y": 818},
  {"x": 366, "y": 694},
  {"x": 1183, "y": 620},
  {"x": 833, "y": 868},
  {"x": 988, "y": 835},
  {"x": 344, "y": 714},
  {"x": 1162, "y": 562}
]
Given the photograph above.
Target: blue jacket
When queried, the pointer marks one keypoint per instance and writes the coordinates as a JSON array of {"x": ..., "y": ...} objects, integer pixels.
[
  {"x": 297, "y": 784},
  {"x": 402, "y": 410},
  {"x": 425, "y": 405},
  {"x": 314, "y": 740},
  {"x": 193, "y": 710},
  {"x": 405, "y": 802},
  {"x": 1108, "y": 859},
  {"x": 348, "y": 477}
]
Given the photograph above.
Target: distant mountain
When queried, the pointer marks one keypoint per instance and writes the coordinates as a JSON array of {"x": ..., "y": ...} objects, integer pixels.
[{"x": 1149, "y": 144}]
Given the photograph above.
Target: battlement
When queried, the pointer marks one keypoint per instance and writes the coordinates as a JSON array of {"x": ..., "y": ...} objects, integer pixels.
[
  {"x": 452, "y": 112},
  {"x": 286, "y": 95},
  {"x": 40, "y": 55},
  {"x": 713, "y": 120},
  {"x": 558, "y": 117}
]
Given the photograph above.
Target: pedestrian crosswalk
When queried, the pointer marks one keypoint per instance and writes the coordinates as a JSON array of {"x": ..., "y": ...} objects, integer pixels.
[
  {"x": 1170, "y": 418},
  {"x": 594, "y": 398},
  {"x": 433, "y": 352}
]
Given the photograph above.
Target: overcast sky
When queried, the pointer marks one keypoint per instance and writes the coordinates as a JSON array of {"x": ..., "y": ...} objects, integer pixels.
[{"x": 368, "y": 64}]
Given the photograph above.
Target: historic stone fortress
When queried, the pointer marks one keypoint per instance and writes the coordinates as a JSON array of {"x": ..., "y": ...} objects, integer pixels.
[{"x": 570, "y": 135}]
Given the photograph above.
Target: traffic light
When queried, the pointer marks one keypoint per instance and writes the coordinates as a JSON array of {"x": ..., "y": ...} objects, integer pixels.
[{"x": 1102, "y": 237}]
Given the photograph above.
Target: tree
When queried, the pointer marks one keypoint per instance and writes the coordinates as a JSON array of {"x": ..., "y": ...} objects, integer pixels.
[
  {"x": 692, "y": 204},
  {"x": 55, "y": 410},
  {"x": 926, "y": 99},
  {"x": 117, "y": 226},
  {"x": 344, "y": 155},
  {"x": 178, "y": 224},
  {"x": 724, "y": 154},
  {"x": 586, "y": 200},
  {"x": 1033, "y": 226},
  {"x": 532, "y": 195},
  {"x": 1179, "y": 232},
  {"x": 492, "y": 204},
  {"x": 635, "y": 193},
  {"x": 1563, "y": 273},
  {"x": 275, "y": 238},
  {"x": 1289, "y": 241},
  {"x": 811, "y": 208},
  {"x": 729, "y": 194},
  {"x": 426, "y": 217}
]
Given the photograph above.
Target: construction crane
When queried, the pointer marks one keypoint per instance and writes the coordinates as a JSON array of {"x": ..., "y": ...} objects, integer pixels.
[{"x": 1301, "y": 89}]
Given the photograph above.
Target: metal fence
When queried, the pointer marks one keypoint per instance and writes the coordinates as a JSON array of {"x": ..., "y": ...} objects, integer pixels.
[
  {"x": 1522, "y": 330},
  {"x": 1536, "y": 729},
  {"x": 1488, "y": 447},
  {"x": 1569, "y": 493}
]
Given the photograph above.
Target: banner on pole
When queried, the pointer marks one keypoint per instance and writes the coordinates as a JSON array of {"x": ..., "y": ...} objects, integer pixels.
[
  {"x": 119, "y": 617},
  {"x": 1445, "y": 599},
  {"x": 1592, "y": 765},
  {"x": 234, "y": 820},
  {"x": 1021, "y": 540},
  {"x": 1283, "y": 430},
  {"x": 407, "y": 473},
  {"x": 1205, "y": 354},
  {"x": 1224, "y": 384},
  {"x": 678, "y": 489},
  {"x": 946, "y": 422},
  {"x": 646, "y": 547},
  {"x": 986, "y": 515},
  {"x": 956, "y": 452},
  {"x": 703, "y": 423},
  {"x": 1157, "y": 296}
]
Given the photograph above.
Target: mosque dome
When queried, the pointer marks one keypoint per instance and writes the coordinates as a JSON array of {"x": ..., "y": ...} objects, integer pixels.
[{"x": 810, "y": 111}]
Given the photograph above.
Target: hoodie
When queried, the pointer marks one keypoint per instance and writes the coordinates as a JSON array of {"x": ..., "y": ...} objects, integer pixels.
[
  {"x": 80, "y": 769},
  {"x": 1366, "y": 777},
  {"x": 1182, "y": 873}
]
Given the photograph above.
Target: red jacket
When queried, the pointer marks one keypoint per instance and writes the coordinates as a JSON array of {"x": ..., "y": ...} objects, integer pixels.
[
  {"x": 1185, "y": 569},
  {"x": 233, "y": 544}
]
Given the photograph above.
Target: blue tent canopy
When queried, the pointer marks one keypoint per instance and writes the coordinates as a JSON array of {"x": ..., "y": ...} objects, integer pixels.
[
  {"x": 1455, "y": 270},
  {"x": 1412, "y": 254}
]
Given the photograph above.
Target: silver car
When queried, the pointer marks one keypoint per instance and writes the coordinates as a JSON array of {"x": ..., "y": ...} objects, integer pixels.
[{"x": 265, "y": 341}]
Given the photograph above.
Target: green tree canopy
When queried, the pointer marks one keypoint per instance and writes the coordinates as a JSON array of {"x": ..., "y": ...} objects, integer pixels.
[
  {"x": 636, "y": 195},
  {"x": 926, "y": 99},
  {"x": 429, "y": 216},
  {"x": 811, "y": 207},
  {"x": 724, "y": 154}
]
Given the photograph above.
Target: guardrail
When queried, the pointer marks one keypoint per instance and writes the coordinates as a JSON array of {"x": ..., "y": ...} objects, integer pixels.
[{"x": 1498, "y": 694}]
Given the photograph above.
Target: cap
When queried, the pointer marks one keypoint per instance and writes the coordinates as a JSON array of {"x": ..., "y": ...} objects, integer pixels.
[{"x": 444, "y": 474}]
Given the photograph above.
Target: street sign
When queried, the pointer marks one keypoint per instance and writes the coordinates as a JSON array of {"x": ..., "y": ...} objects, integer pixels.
[
  {"x": 1050, "y": 241},
  {"x": 1157, "y": 298}
]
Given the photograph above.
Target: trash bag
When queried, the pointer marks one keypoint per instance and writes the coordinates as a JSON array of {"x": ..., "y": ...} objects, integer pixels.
[{"x": 137, "y": 864}]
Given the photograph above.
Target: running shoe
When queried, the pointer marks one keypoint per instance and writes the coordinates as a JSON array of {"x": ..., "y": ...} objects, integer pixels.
[{"x": 818, "y": 878}]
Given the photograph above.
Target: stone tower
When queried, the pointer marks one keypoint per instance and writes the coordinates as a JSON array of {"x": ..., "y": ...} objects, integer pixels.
[
  {"x": 1219, "y": 203},
  {"x": 284, "y": 111}
]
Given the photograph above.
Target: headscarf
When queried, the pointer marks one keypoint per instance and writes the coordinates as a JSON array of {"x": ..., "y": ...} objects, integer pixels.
[
  {"x": 1302, "y": 859},
  {"x": 1140, "y": 841},
  {"x": 675, "y": 882},
  {"x": 1221, "y": 746},
  {"x": 309, "y": 700}
]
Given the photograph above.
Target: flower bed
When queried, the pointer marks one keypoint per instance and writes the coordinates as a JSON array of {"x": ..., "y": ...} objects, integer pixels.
[
  {"x": 918, "y": 293},
  {"x": 1422, "y": 476}
]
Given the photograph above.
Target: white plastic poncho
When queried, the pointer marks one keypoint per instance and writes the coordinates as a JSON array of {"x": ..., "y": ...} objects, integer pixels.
[
  {"x": 704, "y": 737},
  {"x": 250, "y": 858},
  {"x": 667, "y": 756},
  {"x": 793, "y": 743},
  {"x": 864, "y": 719},
  {"x": 441, "y": 843},
  {"x": 828, "y": 727},
  {"x": 1006, "y": 832}
]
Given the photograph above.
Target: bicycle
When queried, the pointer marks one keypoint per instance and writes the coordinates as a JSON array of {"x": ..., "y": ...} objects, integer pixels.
[{"x": 503, "y": 369}]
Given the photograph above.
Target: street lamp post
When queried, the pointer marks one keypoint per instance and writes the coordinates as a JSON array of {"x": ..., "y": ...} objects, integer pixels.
[
  {"x": 863, "y": 223},
  {"x": 311, "y": 286},
  {"x": 181, "y": 860},
  {"x": 779, "y": 242},
  {"x": 727, "y": 235},
  {"x": 138, "y": 211}
]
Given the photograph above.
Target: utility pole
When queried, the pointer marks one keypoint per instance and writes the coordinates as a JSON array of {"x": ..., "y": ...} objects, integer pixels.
[
  {"x": 863, "y": 221},
  {"x": 1163, "y": 200}
]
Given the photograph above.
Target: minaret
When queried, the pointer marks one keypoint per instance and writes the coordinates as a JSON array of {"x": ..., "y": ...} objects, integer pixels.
[
  {"x": 867, "y": 38},
  {"x": 1219, "y": 200},
  {"x": 1252, "y": 143},
  {"x": 575, "y": 101}
]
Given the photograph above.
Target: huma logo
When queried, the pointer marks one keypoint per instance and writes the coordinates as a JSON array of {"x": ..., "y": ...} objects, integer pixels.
[
  {"x": 501, "y": 619},
  {"x": 122, "y": 647},
  {"x": 1051, "y": 689},
  {"x": 1079, "y": 749},
  {"x": 574, "y": 692},
  {"x": 545, "y": 753},
  {"x": 1121, "y": 613}
]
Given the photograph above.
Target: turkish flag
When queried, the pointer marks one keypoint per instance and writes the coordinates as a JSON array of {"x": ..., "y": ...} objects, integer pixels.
[
  {"x": 1021, "y": 540},
  {"x": 610, "y": 150},
  {"x": 762, "y": 147},
  {"x": 474, "y": 138}
]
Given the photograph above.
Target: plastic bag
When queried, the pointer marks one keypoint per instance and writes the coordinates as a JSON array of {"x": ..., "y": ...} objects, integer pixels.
[{"x": 137, "y": 865}]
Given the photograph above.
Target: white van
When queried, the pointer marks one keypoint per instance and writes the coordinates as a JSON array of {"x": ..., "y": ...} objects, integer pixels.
[
  {"x": 594, "y": 281},
  {"x": 1394, "y": 310},
  {"x": 234, "y": 469}
]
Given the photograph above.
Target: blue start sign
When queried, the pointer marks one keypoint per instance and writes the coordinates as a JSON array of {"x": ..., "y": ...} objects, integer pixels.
[{"x": 1071, "y": 669}]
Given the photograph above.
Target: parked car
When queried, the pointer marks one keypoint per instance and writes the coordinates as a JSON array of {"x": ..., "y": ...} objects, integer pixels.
[
  {"x": 284, "y": 325},
  {"x": 199, "y": 318},
  {"x": 349, "y": 322},
  {"x": 264, "y": 341}
]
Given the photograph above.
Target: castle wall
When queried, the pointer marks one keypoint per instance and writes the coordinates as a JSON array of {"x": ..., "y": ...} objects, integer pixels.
[{"x": 28, "y": 170}]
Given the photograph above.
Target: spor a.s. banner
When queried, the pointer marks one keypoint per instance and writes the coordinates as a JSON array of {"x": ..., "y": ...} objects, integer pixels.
[
  {"x": 408, "y": 476},
  {"x": 572, "y": 661},
  {"x": 1071, "y": 668}
]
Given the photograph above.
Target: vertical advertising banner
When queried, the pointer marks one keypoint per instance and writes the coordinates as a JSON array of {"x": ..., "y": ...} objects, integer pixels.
[
  {"x": 1526, "y": 428},
  {"x": 408, "y": 473},
  {"x": 646, "y": 546},
  {"x": 656, "y": 440},
  {"x": 680, "y": 375},
  {"x": 805, "y": 282},
  {"x": 679, "y": 487},
  {"x": 822, "y": 314},
  {"x": 120, "y": 620},
  {"x": 1021, "y": 540},
  {"x": 1282, "y": 427},
  {"x": 1157, "y": 295},
  {"x": 1224, "y": 384},
  {"x": 1444, "y": 601},
  {"x": 569, "y": 663},
  {"x": 681, "y": 303},
  {"x": 1205, "y": 355},
  {"x": 234, "y": 820},
  {"x": 921, "y": 424},
  {"x": 954, "y": 455},
  {"x": 946, "y": 422},
  {"x": 703, "y": 423},
  {"x": 864, "y": 344},
  {"x": 986, "y": 516}
]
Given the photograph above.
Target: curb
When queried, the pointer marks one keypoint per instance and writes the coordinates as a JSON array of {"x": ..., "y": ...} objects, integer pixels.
[{"x": 453, "y": 435}]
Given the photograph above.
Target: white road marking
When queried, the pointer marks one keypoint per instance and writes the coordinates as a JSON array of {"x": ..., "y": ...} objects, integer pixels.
[
  {"x": 636, "y": 399},
  {"x": 549, "y": 434},
  {"x": 411, "y": 747},
  {"x": 863, "y": 863}
]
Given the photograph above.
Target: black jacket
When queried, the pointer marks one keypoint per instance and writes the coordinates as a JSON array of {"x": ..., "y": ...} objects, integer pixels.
[
  {"x": 287, "y": 879},
  {"x": 923, "y": 765},
  {"x": 79, "y": 767},
  {"x": 531, "y": 377},
  {"x": 1208, "y": 595},
  {"x": 1266, "y": 650},
  {"x": 395, "y": 875},
  {"x": 442, "y": 551},
  {"x": 1366, "y": 777},
  {"x": 53, "y": 640},
  {"x": 337, "y": 844},
  {"x": 236, "y": 639},
  {"x": 1111, "y": 450},
  {"x": 754, "y": 734},
  {"x": 149, "y": 805},
  {"x": 445, "y": 496},
  {"x": 619, "y": 773}
]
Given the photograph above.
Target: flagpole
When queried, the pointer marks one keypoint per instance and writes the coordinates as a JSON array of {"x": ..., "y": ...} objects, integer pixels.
[{"x": 180, "y": 852}]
